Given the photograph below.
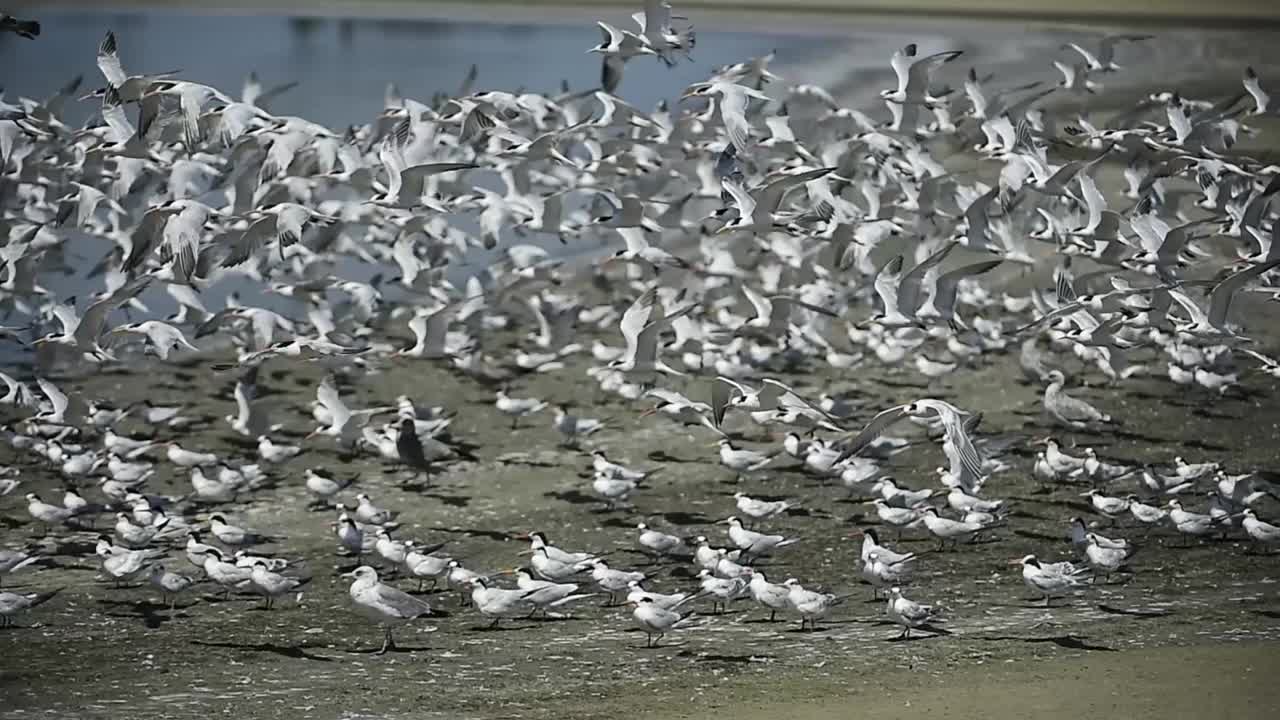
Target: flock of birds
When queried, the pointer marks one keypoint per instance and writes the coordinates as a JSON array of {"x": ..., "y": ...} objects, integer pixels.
[{"x": 763, "y": 230}]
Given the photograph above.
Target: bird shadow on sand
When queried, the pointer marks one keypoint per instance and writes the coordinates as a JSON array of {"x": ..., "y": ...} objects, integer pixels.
[
  {"x": 152, "y": 614},
  {"x": 573, "y": 497},
  {"x": 934, "y": 632},
  {"x": 679, "y": 517},
  {"x": 498, "y": 535},
  {"x": 663, "y": 456},
  {"x": 457, "y": 501},
  {"x": 378, "y": 651},
  {"x": 1273, "y": 614},
  {"x": 714, "y": 657},
  {"x": 499, "y": 628},
  {"x": 1069, "y": 641},
  {"x": 1033, "y": 535},
  {"x": 1201, "y": 444},
  {"x": 297, "y": 652},
  {"x": 1133, "y": 612}
]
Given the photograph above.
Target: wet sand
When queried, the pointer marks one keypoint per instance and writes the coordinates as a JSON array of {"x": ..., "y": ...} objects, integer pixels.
[{"x": 1231, "y": 681}]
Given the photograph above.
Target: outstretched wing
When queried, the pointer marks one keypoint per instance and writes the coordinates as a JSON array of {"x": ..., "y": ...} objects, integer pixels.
[{"x": 874, "y": 429}]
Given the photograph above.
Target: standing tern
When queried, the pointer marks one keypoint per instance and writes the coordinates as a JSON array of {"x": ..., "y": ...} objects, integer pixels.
[
  {"x": 383, "y": 603},
  {"x": 908, "y": 613}
]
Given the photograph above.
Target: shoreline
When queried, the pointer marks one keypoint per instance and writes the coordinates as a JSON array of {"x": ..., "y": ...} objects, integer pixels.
[{"x": 805, "y": 17}]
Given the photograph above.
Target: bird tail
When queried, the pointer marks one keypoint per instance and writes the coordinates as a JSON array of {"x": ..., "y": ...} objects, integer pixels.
[
  {"x": 571, "y": 598},
  {"x": 28, "y": 29},
  {"x": 44, "y": 597}
]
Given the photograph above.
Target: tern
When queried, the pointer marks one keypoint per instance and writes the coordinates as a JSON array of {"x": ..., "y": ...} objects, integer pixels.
[
  {"x": 809, "y": 604},
  {"x": 13, "y": 603},
  {"x": 908, "y": 613},
  {"x": 655, "y": 620},
  {"x": 1049, "y": 580},
  {"x": 383, "y": 603}
]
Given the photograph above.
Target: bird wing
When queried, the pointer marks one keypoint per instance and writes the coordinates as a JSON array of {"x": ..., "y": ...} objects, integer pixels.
[
  {"x": 57, "y": 398},
  {"x": 886, "y": 283},
  {"x": 327, "y": 394},
  {"x": 634, "y": 238},
  {"x": 95, "y": 317},
  {"x": 770, "y": 196},
  {"x": 109, "y": 61},
  {"x": 920, "y": 70},
  {"x": 746, "y": 204},
  {"x": 788, "y": 397},
  {"x": 1221, "y": 295},
  {"x": 249, "y": 242},
  {"x": 113, "y": 114},
  {"x": 733, "y": 113},
  {"x": 953, "y": 423},
  {"x": 874, "y": 429},
  {"x": 401, "y": 603},
  {"x": 636, "y": 318},
  {"x": 909, "y": 297},
  {"x": 722, "y": 392},
  {"x": 763, "y": 307},
  {"x": 945, "y": 298},
  {"x": 900, "y": 61}
]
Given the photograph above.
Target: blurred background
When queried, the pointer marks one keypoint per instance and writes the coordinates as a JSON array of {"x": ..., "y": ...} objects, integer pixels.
[{"x": 344, "y": 54}]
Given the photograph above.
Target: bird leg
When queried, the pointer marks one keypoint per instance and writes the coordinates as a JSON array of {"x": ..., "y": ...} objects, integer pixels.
[
  {"x": 495, "y": 622},
  {"x": 1046, "y": 601},
  {"x": 388, "y": 643},
  {"x": 658, "y": 639},
  {"x": 773, "y": 615}
]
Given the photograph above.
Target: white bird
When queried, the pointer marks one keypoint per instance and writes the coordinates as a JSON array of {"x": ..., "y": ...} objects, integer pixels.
[
  {"x": 271, "y": 585},
  {"x": 659, "y": 543},
  {"x": 722, "y": 590},
  {"x": 733, "y": 101},
  {"x": 1050, "y": 580},
  {"x": 914, "y": 75},
  {"x": 809, "y": 604},
  {"x": 273, "y": 453},
  {"x": 573, "y": 427},
  {"x": 641, "y": 324},
  {"x": 13, "y": 603},
  {"x": 953, "y": 424},
  {"x": 773, "y": 596},
  {"x": 383, "y": 604},
  {"x": 12, "y": 561},
  {"x": 909, "y": 613},
  {"x": 755, "y": 544},
  {"x": 497, "y": 603},
  {"x": 655, "y": 620},
  {"x": 170, "y": 584},
  {"x": 758, "y": 509},
  {"x": 517, "y": 407},
  {"x": 1262, "y": 533}
]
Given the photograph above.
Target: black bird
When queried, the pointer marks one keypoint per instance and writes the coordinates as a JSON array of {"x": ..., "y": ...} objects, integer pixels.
[
  {"x": 410, "y": 448},
  {"x": 28, "y": 29}
]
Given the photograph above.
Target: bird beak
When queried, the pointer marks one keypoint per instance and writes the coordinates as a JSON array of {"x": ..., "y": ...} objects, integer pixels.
[
  {"x": 855, "y": 533},
  {"x": 1016, "y": 562},
  {"x": 351, "y": 574},
  {"x": 1084, "y": 494},
  {"x": 525, "y": 552}
]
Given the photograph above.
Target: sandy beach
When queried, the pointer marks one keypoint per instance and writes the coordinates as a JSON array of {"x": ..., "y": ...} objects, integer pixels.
[{"x": 1193, "y": 631}]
